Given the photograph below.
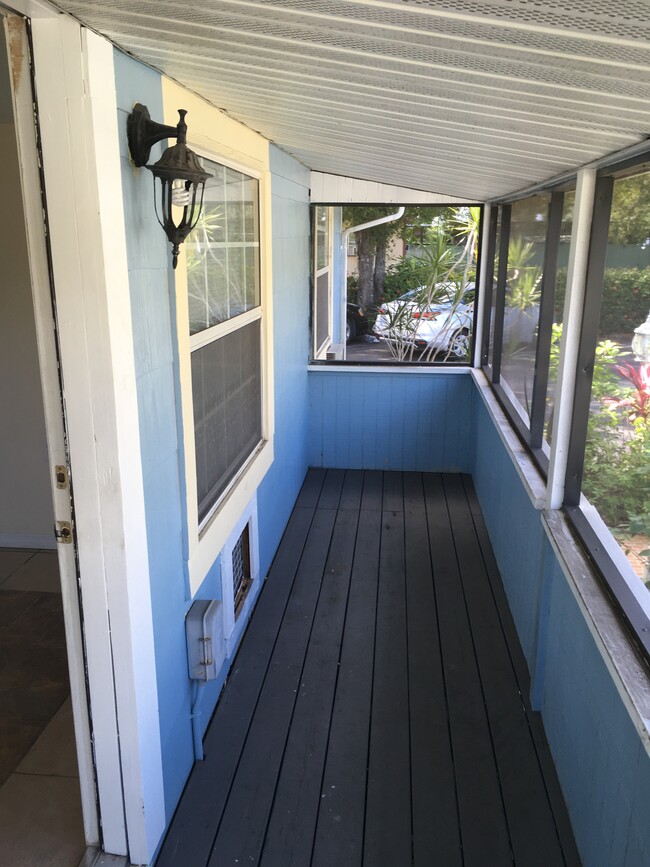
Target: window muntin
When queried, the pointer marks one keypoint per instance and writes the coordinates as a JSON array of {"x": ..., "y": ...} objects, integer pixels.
[{"x": 223, "y": 251}]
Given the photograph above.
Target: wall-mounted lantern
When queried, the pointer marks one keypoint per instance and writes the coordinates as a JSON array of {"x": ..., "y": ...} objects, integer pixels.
[
  {"x": 641, "y": 341},
  {"x": 181, "y": 175}
]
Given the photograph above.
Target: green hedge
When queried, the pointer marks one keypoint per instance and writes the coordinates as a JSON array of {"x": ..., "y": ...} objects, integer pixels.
[{"x": 626, "y": 299}]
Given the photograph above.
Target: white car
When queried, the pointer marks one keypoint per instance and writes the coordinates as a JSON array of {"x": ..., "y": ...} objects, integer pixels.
[{"x": 440, "y": 329}]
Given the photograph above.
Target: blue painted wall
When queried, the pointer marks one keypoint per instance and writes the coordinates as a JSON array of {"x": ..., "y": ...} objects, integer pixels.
[
  {"x": 158, "y": 387},
  {"x": 601, "y": 762},
  {"x": 290, "y": 213},
  {"x": 384, "y": 421},
  {"x": 154, "y": 331}
]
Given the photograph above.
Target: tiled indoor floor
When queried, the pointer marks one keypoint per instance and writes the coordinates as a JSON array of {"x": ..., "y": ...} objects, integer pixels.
[{"x": 40, "y": 806}]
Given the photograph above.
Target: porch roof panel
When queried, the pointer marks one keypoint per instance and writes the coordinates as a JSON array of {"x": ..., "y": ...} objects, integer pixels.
[{"x": 465, "y": 98}]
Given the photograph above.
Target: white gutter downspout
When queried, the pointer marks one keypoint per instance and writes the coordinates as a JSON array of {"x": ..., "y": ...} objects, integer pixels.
[{"x": 344, "y": 269}]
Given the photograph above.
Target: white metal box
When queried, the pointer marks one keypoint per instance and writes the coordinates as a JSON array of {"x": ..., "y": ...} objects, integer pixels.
[{"x": 206, "y": 646}]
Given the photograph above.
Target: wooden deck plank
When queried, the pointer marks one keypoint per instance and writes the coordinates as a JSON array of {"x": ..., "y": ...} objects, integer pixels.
[
  {"x": 290, "y": 832},
  {"x": 530, "y": 821},
  {"x": 387, "y": 836},
  {"x": 339, "y": 832},
  {"x": 393, "y": 492},
  {"x": 436, "y": 835},
  {"x": 192, "y": 831},
  {"x": 331, "y": 491},
  {"x": 482, "y": 817},
  {"x": 352, "y": 489},
  {"x": 311, "y": 488},
  {"x": 552, "y": 784},
  {"x": 243, "y": 824},
  {"x": 371, "y": 496},
  {"x": 373, "y": 714}
]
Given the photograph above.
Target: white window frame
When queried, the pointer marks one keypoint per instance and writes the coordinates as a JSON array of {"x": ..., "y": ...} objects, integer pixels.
[
  {"x": 206, "y": 538},
  {"x": 320, "y": 351}
]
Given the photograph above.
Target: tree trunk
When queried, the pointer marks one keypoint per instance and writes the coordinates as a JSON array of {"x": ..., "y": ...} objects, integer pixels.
[
  {"x": 366, "y": 251},
  {"x": 379, "y": 273}
]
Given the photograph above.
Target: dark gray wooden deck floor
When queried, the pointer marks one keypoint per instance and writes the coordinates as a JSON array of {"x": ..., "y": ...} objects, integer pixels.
[{"x": 376, "y": 713}]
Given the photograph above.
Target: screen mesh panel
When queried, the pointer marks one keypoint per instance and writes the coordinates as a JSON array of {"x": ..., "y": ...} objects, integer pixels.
[{"x": 227, "y": 395}]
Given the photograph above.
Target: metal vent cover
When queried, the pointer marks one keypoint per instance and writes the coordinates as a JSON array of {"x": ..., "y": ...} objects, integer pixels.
[{"x": 475, "y": 99}]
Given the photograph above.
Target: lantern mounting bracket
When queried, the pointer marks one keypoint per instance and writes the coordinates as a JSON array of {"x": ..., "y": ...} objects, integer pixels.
[{"x": 143, "y": 133}]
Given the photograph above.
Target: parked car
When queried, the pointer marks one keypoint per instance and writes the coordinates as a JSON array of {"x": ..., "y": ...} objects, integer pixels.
[
  {"x": 443, "y": 326},
  {"x": 357, "y": 322}
]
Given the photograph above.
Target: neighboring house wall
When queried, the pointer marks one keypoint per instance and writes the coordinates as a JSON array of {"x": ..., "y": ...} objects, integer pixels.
[
  {"x": 377, "y": 420},
  {"x": 26, "y": 514},
  {"x": 601, "y": 759},
  {"x": 158, "y": 368}
]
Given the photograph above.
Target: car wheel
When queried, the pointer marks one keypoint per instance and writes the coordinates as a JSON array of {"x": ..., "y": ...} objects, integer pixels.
[
  {"x": 459, "y": 344},
  {"x": 350, "y": 329}
]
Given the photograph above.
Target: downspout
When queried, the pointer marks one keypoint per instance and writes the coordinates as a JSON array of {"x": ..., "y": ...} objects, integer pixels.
[{"x": 344, "y": 268}]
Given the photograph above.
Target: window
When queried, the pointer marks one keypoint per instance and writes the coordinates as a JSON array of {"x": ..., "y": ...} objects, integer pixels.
[
  {"x": 223, "y": 288},
  {"x": 404, "y": 293},
  {"x": 616, "y": 475},
  {"x": 607, "y": 480}
]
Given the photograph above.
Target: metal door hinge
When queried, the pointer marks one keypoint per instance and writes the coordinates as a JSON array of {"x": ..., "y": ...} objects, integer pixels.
[
  {"x": 63, "y": 532},
  {"x": 61, "y": 476}
]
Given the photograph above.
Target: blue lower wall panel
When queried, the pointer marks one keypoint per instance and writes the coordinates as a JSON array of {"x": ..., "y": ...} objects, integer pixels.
[
  {"x": 601, "y": 761},
  {"x": 383, "y": 421},
  {"x": 514, "y": 526}
]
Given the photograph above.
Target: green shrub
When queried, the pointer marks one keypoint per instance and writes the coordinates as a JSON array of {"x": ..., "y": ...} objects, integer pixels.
[{"x": 626, "y": 298}]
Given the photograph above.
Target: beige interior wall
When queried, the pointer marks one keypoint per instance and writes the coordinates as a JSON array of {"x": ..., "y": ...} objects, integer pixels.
[{"x": 26, "y": 514}]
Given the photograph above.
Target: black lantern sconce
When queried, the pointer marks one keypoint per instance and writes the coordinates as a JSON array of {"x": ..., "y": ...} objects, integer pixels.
[{"x": 181, "y": 175}]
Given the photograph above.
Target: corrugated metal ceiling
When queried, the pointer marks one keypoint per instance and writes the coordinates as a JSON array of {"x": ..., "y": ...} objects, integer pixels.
[{"x": 464, "y": 97}]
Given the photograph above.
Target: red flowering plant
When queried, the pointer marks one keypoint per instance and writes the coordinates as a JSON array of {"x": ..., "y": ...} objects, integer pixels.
[{"x": 639, "y": 400}]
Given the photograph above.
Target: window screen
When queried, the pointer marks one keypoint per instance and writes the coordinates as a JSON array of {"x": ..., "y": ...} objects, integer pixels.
[{"x": 227, "y": 397}]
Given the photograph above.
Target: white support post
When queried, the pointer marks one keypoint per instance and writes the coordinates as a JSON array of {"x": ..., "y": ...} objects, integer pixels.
[
  {"x": 573, "y": 304},
  {"x": 480, "y": 309},
  {"x": 78, "y": 118}
]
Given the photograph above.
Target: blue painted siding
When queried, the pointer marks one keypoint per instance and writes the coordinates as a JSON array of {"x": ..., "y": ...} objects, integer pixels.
[
  {"x": 384, "y": 421},
  {"x": 602, "y": 765},
  {"x": 290, "y": 214},
  {"x": 513, "y": 524},
  {"x": 152, "y": 312}
]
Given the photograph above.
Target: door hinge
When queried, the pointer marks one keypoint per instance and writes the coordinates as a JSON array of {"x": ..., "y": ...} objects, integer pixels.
[
  {"x": 61, "y": 476},
  {"x": 63, "y": 532}
]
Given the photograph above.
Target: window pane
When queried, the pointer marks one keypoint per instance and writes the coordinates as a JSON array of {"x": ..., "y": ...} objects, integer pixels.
[
  {"x": 227, "y": 397},
  {"x": 222, "y": 252},
  {"x": 528, "y": 225},
  {"x": 558, "y": 309},
  {"x": 617, "y": 460}
]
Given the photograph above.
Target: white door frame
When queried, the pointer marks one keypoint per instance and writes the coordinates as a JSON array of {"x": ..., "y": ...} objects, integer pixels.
[
  {"x": 18, "y": 51},
  {"x": 75, "y": 90}
]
